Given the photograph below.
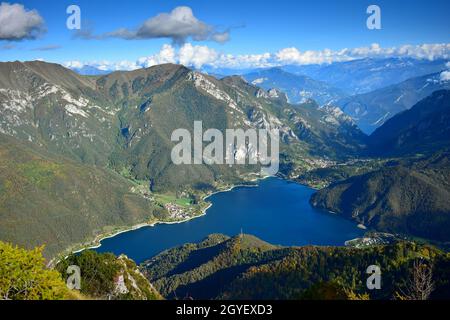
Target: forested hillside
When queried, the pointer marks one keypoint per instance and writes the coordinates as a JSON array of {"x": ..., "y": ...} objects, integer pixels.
[
  {"x": 49, "y": 199},
  {"x": 245, "y": 267},
  {"x": 409, "y": 197}
]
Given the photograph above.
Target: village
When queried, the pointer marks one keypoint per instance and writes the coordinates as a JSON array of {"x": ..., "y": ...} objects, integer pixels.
[{"x": 177, "y": 212}]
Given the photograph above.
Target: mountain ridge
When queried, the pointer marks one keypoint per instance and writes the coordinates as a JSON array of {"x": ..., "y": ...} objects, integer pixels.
[
  {"x": 424, "y": 128},
  {"x": 246, "y": 268},
  {"x": 371, "y": 110},
  {"x": 299, "y": 88}
]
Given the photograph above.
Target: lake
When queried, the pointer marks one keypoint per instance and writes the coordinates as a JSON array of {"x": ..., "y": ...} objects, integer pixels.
[{"x": 277, "y": 211}]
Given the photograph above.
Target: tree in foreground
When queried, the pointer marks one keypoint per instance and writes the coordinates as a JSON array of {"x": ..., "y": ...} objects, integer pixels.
[
  {"x": 420, "y": 285},
  {"x": 24, "y": 276}
]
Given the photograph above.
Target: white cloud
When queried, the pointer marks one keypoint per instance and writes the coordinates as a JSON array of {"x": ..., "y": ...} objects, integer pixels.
[
  {"x": 245, "y": 61},
  {"x": 295, "y": 56},
  {"x": 196, "y": 56},
  {"x": 165, "y": 55},
  {"x": 16, "y": 23},
  {"x": 104, "y": 65},
  {"x": 424, "y": 51},
  {"x": 179, "y": 25},
  {"x": 200, "y": 56},
  {"x": 221, "y": 37},
  {"x": 445, "y": 76},
  {"x": 75, "y": 64},
  {"x": 121, "y": 65}
]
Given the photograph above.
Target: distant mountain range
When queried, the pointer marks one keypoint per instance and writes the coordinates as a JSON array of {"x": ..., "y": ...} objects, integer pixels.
[
  {"x": 373, "y": 109},
  {"x": 424, "y": 128},
  {"x": 365, "y": 75},
  {"x": 299, "y": 88},
  {"x": 369, "y": 90}
]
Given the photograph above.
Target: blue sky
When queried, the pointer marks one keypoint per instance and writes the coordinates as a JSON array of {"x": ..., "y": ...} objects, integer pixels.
[{"x": 255, "y": 27}]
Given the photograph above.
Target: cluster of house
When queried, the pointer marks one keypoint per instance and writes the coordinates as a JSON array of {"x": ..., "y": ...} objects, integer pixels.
[{"x": 176, "y": 211}]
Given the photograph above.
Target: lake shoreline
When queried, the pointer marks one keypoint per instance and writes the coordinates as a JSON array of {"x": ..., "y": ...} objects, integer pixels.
[{"x": 96, "y": 243}]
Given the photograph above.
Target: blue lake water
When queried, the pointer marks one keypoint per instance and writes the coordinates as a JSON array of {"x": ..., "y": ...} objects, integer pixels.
[{"x": 277, "y": 211}]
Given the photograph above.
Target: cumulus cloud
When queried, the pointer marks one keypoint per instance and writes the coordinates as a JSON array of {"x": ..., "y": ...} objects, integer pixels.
[
  {"x": 196, "y": 56},
  {"x": 295, "y": 56},
  {"x": 17, "y": 23},
  {"x": 263, "y": 60},
  {"x": 424, "y": 51},
  {"x": 221, "y": 37},
  {"x": 199, "y": 56},
  {"x": 124, "y": 65},
  {"x": 165, "y": 55},
  {"x": 179, "y": 25},
  {"x": 74, "y": 64},
  {"x": 445, "y": 76}
]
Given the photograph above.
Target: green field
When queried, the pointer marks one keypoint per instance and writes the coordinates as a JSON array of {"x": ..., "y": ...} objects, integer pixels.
[{"x": 169, "y": 198}]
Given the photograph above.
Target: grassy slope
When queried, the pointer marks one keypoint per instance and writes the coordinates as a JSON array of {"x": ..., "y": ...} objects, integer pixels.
[{"x": 45, "y": 199}]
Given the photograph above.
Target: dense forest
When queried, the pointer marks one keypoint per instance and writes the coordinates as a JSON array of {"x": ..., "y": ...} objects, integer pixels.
[{"x": 245, "y": 267}]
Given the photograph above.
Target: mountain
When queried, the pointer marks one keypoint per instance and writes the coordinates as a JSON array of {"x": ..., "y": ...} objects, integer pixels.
[
  {"x": 247, "y": 268},
  {"x": 78, "y": 149},
  {"x": 366, "y": 75},
  {"x": 299, "y": 88},
  {"x": 371, "y": 110},
  {"x": 55, "y": 107},
  {"x": 422, "y": 129},
  {"x": 409, "y": 197}
]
